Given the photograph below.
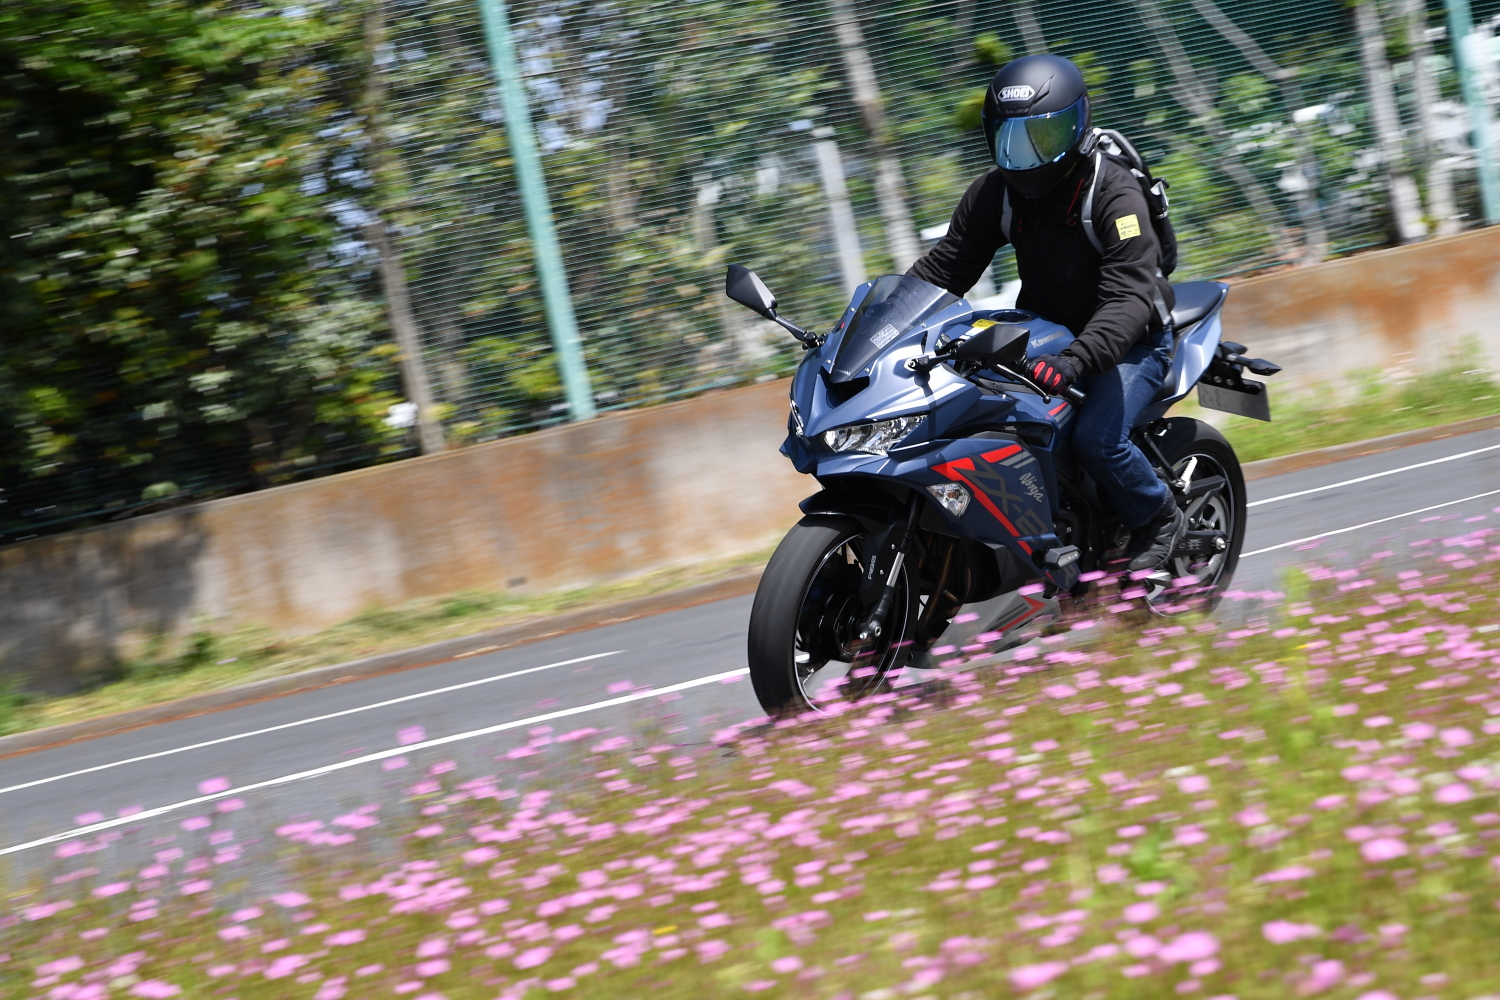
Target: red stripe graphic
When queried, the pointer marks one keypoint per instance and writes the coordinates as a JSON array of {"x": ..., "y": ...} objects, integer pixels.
[{"x": 950, "y": 469}]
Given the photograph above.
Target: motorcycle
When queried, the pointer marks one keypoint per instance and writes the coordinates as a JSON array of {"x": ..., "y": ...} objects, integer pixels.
[{"x": 947, "y": 483}]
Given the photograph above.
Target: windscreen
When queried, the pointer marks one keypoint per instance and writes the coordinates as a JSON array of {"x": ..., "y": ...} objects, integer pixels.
[{"x": 895, "y": 304}]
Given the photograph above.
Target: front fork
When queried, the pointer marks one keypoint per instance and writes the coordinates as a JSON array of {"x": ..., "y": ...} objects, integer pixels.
[{"x": 888, "y": 554}]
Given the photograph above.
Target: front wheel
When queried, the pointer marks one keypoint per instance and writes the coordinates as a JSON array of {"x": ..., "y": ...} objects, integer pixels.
[
  {"x": 1196, "y": 451},
  {"x": 804, "y": 647}
]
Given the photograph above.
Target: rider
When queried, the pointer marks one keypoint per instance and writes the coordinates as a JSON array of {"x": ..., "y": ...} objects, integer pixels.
[{"x": 1036, "y": 117}]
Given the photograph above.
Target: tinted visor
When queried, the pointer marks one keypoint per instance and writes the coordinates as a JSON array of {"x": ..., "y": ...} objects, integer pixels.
[{"x": 1037, "y": 140}]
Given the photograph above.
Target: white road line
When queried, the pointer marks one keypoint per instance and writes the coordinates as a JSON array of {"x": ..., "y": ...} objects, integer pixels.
[
  {"x": 286, "y": 779},
  {"x": 306, "y": 722},
  {"x": 1367, "y": 524},
  {"x": 1375, "y": 475}
]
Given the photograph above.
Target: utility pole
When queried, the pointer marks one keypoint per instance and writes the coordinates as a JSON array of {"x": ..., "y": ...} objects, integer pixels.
[
  {"x": 890, "y": 189},
  {"x": 1406, "y": 205},
  {"x": 1466, "y": 43},
  {"x": 546, "y": 254},
  {"x": 840, "y": 214}
]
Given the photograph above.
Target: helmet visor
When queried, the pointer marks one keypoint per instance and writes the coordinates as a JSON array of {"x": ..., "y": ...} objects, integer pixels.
[{"x": 1036, "y": 140}]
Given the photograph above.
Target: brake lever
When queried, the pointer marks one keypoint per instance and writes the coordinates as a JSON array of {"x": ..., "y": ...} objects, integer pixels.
[{"x": 1070, "y": 394}]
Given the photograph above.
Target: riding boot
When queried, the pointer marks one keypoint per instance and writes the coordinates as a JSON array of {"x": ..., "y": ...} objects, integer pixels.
[{"x": 1152, "y": 543}]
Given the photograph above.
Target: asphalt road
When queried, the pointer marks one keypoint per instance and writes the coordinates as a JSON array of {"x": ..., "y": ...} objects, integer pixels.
[{"x": 675, "y": 677}]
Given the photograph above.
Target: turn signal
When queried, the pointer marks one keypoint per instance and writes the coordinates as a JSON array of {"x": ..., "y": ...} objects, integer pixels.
[{"x": 953, "y": 497}]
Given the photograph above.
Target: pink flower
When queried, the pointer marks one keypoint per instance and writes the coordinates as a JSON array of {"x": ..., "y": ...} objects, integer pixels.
[
  {"x": 432, "y": 967},
  {"x": 1377, "y": 995},
  {"x": 1382, "y": 849},
  {"x": 213, "y": 786},
  {"x": 532, "y": 957},
  {"x": 787, "y": 964},
  {"x": 154, "y": 989},
  {"x": 195, "y": 886},
  {"x": 1453, "y": 794},
  {"x": 410, "y": 735},
  {"x": 1324, "y": 975},
  {"x": 1253, "y": 816},
  {"x": 1456, "y": 736},
  {"x": 1030, "y": 977},
  {"x": 1418, "y": 731},
  {"x": 1109, "y": 874},
  {"x": 1285, "y": 931},
  {"x": 1139, "y": 913},
  {"x": 290, "y": 899},
  {"x": 354, "y": 936},
  {"x": 1190, "y": 947},
  {"x": 1289, "y": 874},
  {"x": 1193, "y": 784}
]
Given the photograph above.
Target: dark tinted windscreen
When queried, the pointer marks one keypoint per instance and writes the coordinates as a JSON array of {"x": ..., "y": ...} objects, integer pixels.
[{"x": 896, "y": 304}]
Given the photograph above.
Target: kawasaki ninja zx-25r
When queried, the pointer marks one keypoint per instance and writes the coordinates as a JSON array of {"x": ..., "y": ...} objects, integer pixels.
[{"x": 947, "y": 481}]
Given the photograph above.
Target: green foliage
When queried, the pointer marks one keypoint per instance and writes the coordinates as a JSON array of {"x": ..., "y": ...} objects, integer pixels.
[{"x": 176, "y": 309}]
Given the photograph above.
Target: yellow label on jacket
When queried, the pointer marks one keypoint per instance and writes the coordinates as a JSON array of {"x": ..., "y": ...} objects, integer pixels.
[{"x": 1127, "y": 226}]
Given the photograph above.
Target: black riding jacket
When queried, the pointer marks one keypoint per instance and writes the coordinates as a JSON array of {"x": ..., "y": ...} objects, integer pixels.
[{"x": 1108, "y": 302}]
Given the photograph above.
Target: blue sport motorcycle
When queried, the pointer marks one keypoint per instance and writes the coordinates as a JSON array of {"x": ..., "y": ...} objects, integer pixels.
[{"x": 947, "y": 481}]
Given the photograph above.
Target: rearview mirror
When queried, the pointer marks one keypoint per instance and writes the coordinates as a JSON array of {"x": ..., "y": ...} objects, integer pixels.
[
  {"x": 1003, "y": 344},
  {"x": 745, "y": 287}
]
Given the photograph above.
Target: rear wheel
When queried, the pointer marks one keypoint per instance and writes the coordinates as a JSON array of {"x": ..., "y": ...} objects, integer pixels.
[
  {"x": 804, "y": 647},
  {"x": 1195, "y": 451}
]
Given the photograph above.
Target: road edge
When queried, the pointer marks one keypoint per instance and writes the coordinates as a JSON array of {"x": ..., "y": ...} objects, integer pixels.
[
  {"x": 518, "y": 634},
  {"x": 1339, "y": 452}
]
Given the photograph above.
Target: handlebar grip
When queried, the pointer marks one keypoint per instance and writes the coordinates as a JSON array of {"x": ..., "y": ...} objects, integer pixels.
[{"x": 1073, "y": 396}]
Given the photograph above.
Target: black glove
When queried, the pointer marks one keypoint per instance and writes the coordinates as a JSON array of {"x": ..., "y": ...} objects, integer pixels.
[{"x": 1055, "y": 372}]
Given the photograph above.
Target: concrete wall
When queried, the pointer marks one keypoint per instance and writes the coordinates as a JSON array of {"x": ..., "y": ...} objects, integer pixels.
[
  {"x": 1407, "y": 308},
  {"x": 570, "y": 505},
  {"x": 616, "y": 496}
]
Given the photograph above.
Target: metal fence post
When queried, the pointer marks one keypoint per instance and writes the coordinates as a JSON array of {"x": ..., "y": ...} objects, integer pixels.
[
  {"x": 1461, "y": 36},
  {"x": 533, "y": 185}
]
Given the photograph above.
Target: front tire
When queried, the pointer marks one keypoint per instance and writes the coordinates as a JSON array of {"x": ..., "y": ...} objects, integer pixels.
[{"x": 803, "y": 650}]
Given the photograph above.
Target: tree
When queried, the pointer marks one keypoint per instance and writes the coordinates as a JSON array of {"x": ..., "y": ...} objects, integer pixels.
[{"x": 184, "y": 312}]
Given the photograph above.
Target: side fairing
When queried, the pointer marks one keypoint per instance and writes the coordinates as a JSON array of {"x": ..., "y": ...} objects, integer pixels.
[{"x": 1191, "y": 358}]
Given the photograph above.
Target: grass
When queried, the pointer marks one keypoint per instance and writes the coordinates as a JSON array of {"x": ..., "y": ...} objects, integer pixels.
[
  {"x": 209, "y": 661},
  {"x": 1304, "y": 805},
  {"x": 1368, "y": 407}
]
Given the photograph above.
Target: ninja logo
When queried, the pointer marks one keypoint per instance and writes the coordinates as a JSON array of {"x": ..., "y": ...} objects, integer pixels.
[{"x": 1033, "y": 487}]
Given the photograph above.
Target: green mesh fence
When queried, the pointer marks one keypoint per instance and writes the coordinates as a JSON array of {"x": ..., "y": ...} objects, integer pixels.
[
  {"x": 679, "y": 137},
  {"x": 820, "y": 142}
]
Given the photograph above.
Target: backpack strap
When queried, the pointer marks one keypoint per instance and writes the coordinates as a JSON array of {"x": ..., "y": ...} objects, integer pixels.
[
  {"x": 1005, "y": 215},
  {"x": 1086, "y": 214}
]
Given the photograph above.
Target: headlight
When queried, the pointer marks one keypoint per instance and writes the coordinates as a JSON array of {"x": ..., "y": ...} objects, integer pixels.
[{"x": 875, "y": 439}]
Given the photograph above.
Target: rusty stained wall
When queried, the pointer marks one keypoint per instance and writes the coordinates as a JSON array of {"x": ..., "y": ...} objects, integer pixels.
[
  {"x": 575, "y": 504},
  {"x": 1402, "y": 310},
  {"x": 616, "y": 496}
]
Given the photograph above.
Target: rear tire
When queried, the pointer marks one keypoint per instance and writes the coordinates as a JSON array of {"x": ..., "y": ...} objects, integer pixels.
[
  {"x": 1223, "y": 510},
  {"x": 806, "y": 614}
]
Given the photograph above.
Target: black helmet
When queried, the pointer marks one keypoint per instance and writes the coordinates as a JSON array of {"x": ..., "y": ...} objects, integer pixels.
[{"x": 1036, "y": 114}]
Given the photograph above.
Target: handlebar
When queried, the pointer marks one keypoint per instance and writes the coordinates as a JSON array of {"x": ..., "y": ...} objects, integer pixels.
[{"x": 927, "y": 362}]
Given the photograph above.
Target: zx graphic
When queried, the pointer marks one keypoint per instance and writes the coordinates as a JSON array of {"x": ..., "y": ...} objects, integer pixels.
[{"x": 997, "y": 479}]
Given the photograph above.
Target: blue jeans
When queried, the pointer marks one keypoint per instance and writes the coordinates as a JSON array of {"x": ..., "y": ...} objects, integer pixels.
[{"x": 1101, "y": 441}]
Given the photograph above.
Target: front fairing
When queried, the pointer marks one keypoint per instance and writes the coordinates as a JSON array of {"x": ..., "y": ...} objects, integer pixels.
[{"x": 996, "y": 437}]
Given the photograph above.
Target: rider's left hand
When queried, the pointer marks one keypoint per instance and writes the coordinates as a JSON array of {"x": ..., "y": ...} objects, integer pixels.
[{"x": 1055, "y": 372}]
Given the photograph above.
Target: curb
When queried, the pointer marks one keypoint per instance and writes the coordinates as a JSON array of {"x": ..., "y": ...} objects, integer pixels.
[
  {"x": 519, "y": 634},
  {"x": 1339, "y": 452}
]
